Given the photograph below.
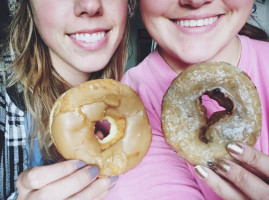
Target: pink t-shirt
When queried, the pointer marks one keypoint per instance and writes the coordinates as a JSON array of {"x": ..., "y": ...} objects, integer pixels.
[{"x": 162, "y": 174}]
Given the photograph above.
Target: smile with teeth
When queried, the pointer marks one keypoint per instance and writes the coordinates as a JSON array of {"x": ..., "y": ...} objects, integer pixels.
[
  {"x": 197, "y": 23},
  {"x": 86, "y": 37}
]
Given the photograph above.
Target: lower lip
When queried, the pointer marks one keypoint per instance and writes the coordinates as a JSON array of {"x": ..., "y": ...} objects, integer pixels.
[
  {"x": 198, "y": 29},
  {"x": 91, "y": 46}
]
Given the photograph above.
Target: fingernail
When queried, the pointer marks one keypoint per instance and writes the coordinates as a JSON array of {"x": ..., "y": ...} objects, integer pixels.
[
  {"x": 222, "y": 166},
  {"x": 93, "y": 172},
  {"x": 113, "y": 179},
  {"x": 235, "y": 148},
  {"x": 80, "y": 164},
  {"x": 201, "y": 171}
]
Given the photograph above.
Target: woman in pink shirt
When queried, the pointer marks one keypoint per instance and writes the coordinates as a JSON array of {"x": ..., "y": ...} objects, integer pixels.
[{"x": 189, "y": 32}]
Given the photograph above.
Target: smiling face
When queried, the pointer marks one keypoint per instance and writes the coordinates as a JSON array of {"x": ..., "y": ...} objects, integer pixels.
[
  {"x": 193, "y": 31},
  {"x": 81, "y": 35}
]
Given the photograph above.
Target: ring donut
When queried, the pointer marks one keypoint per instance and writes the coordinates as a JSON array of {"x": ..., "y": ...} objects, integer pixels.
[
  {"x": 184, "y": 118},
  {"x": 75, "y": 113}
]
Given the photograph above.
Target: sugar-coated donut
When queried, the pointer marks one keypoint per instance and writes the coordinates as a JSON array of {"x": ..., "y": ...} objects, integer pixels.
[
  {"x": 75, "y": 113},
  {"x": 184, "y": 119}
]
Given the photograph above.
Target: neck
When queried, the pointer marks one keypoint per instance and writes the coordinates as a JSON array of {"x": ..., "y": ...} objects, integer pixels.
[
  {"x": 231, "y": 53},
  {"x": 174, "y": 63}
]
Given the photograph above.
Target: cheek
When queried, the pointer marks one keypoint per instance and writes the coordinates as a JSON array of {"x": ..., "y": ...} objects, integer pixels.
[
  {"x": 122, "y": 7},
  {"x": 48, "y": 19},
  {"x": 46, "y": 13},
  {"x": 156, "y": 8},
  {"x": 121, "y": 15},
  {"x": 238, "y": 4},
  {"x": 241, "y": 8}
]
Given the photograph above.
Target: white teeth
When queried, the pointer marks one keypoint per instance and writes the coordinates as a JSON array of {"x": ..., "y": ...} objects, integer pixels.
[
  {"x": 195, "y": 23},
  {"x": 86, "y": 37}
]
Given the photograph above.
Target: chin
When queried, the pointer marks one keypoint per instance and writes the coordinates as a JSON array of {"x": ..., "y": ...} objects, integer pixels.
[
  {"x": 191, "y": 60},
  {"x": 91, "y": 66},
  {"x": 196, "y": 55}
]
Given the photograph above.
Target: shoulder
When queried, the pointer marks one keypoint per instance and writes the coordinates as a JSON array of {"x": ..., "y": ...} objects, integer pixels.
[
  {"x": 135, "y": 76},
  {"x": 146, "y": 72},
  {"x": 11, "y": 117},
  {"x": 14, "y": 93},
  {"x": 255, "y": 45},
  {"x": 4, "y": 102},
  {"x": 255, "y": 55},
  {"x": 11, "y": 103},
  {"x": 7, "y": 103}
]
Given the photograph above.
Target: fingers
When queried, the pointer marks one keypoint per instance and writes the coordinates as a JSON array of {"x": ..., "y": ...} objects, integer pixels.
[
  {"x": 63, "y": 180},
  {"x": 252, "y": 186},
  {"x": 224, "y": 189},
  {"x": 239, "y": 180},
  {"x": 97, "y": 190},
  {"x": 101, "y": 197},
  {"x": 38, "y": 177},
  {"x": 35, "y": 179},
  {"x": 250, "y": 156},
  {"x": 69, "y": 185},
  {"x": 100, "y": 135}
]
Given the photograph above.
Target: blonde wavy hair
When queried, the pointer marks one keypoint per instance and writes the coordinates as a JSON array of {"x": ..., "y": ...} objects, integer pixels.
[{"x": 32, "y": 68}]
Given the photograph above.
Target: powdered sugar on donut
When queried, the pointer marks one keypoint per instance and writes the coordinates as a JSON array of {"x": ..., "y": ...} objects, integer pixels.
[{"x": 184, "y": 121}]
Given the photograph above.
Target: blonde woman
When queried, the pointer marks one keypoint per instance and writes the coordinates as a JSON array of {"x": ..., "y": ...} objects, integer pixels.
[{"x": 52, "y": 46}]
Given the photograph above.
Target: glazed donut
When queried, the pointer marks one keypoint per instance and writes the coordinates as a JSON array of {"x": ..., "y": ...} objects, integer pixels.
[
  {"x": 184, "y": 118},
  {"x": 75, "y": 113}
]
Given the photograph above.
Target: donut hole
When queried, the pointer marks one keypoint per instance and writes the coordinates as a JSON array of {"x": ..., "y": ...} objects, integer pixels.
[
  {"x": 109, "y": 131},
  {"x": 102, "y": 129},
  {"x": 217, "y": 106},
  {"x": 211, "y": 105}
]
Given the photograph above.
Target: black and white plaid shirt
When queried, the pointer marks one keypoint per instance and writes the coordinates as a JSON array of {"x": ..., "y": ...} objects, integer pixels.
[{"x": 13, "y": 154}]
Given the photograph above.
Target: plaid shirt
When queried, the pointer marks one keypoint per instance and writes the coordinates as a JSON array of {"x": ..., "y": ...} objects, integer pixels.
[{"x": 13, "y": 152}]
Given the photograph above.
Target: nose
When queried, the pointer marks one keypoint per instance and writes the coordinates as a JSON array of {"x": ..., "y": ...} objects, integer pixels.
[
  {"x": 89, "y": 8},
  {"x": 194, "y": 3}
]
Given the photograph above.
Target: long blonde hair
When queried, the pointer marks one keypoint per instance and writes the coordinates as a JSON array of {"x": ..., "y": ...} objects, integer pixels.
[{"x": 32, "y": 68}]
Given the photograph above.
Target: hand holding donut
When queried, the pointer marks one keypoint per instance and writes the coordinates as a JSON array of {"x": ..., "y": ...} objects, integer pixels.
[
  {"x": 217, "y": 140},
  {"x": 247, "y": 180},
  {"x": 69, "y": 179}
]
